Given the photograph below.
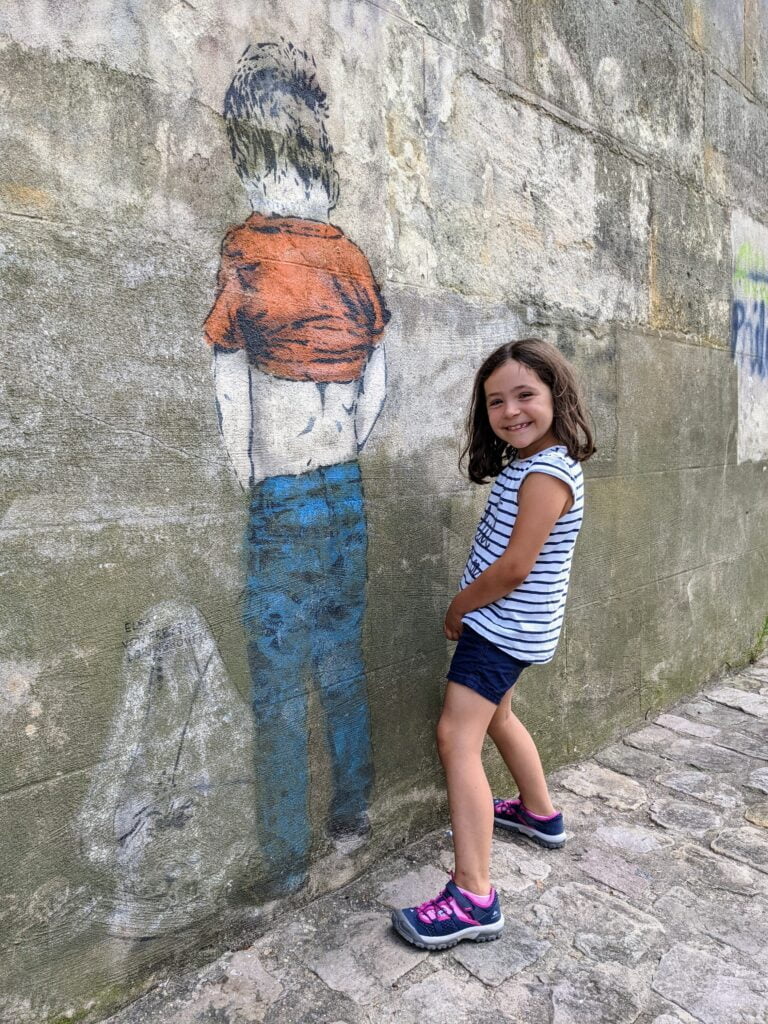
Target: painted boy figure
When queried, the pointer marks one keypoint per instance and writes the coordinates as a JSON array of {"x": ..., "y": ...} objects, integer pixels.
[{"x": 300, "y": 379}]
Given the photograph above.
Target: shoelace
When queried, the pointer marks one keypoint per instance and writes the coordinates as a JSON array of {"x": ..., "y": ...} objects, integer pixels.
[
  {"x": 505, "y": 806},
  {"x": 438, "y": 909}
]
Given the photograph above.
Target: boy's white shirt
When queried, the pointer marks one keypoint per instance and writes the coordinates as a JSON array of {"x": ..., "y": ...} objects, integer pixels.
[{"x": 274, "y": 427}]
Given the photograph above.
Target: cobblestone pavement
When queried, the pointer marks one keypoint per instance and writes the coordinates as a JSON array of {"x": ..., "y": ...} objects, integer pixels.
[{"x": 656, "y": 910}]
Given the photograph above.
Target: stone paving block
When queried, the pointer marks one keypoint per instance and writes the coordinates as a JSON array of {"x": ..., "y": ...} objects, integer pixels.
[
  {"x": 703, "y": 787},
  {"x": 752, "y": 703},
  {"x": 366, "y": 957},
  {"x": 442, "y": 998},
  {"x": 518, "y": 1000},
  {"x": 413, "y": 887},
  {"x": 496, "y": 962},
  {"x": 683, "y": 817},
  {"x": 505, "y": 874},
  {"x": 616, "y": 790},
  {"x": 630, "y": 761},
  {"x": 699, "y": 753},
  {"x": 615, "y": 872},
  {"x": 514, "y": 868},
  {"x": 297, "y": 934},
  {"x": 747, "y": 845},
  {"x": 686, "y": 727},
  {"x": 712, "y": 988},
  {"x": 737, "y": 921},
  {"x": 606, "y": 994},
  {"x": 744, "y": 743},
  {"x": 711, "y": 871},
  {"x": 578, "y": 811},
  {"x": 748, "y": 679},
  {"x": 242, "y": 991},
  {"x": 758, "y": 779},
  {"x": 632, "y": 839},
  {"x": 758, "y": 672},
  {"x": 749, "y": 724},
  {"x": 523, "y": 856},
  {"x": 710, "y": 713},
  {"x": 604, "y": 927},
  {"x": 305, "y": 998},
  {"x": 655, "y": 739},
  {"x": 758, "y": 814},
  {"x": 711, "y": 758}
]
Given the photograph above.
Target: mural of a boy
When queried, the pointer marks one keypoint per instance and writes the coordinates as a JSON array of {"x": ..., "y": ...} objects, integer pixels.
[{"x": 300, "y": 380}]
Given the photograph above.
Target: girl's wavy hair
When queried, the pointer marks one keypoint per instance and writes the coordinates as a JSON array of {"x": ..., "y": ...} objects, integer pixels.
[{"x": 485, "y": 453}]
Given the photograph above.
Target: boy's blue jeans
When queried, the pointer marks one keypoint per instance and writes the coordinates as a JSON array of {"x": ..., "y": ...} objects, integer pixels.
[{"x": 304, "y": 604}]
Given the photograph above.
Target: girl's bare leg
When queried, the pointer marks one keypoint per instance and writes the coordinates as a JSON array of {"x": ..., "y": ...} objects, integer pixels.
[
  {"x": 520, "y": 755},
  {"x": 460, "y": 732}
]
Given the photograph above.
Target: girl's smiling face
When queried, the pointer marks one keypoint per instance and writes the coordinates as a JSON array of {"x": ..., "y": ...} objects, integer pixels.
[{"x": 520, "y": 408}]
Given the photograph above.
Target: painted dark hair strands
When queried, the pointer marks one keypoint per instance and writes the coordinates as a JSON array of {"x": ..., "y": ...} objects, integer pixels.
[
  {"x": 485, "y": 453},
  {"x": 276, "y": 113}
]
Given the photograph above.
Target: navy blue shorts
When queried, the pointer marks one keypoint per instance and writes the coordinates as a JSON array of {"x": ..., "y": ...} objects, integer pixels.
[{"x": 483, "y": 667}]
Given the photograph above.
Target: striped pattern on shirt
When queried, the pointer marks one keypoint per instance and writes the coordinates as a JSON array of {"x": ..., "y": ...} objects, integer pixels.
[{"x": 527, "y": 622}]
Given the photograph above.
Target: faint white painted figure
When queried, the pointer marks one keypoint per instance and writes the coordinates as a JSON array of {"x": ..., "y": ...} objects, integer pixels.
[
  {"x": 300, "y": 379},
  {"x": 169, "y": 812}
]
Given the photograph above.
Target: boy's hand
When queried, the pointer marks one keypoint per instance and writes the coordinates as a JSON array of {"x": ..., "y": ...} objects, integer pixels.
[{"x": 453, "y": 625}]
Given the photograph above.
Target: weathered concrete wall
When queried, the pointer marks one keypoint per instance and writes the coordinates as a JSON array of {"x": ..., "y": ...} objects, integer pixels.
[{"x": 591, "y": 172}]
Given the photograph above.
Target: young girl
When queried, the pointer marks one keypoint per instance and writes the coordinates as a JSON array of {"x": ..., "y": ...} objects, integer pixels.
[{"x": 527, "y": 427}]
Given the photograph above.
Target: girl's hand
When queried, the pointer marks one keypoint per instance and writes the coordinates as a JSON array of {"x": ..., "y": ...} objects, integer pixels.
[{"x": 453, "y": 625}]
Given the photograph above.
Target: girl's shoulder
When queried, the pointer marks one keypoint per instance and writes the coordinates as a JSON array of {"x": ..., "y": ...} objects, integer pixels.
[
  {"x": 556, "y": 459},
  {"x": 557, "y": 455}
]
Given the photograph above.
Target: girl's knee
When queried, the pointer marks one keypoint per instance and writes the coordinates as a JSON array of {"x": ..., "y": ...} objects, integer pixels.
[
  {"x": 463, "y": 722},
  {"x": 444, "y": 734},
  {"x": 502, "y": 719},
  {"x": 452, "y": 740}
]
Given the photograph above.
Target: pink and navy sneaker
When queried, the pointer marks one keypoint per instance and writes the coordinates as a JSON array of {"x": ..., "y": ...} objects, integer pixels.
[
  {"x": 447, "y": 919},
  {"x": 511, "y": 814}
]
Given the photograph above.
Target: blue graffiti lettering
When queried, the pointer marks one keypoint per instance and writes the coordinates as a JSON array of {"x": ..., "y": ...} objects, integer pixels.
[
  {"x": 749, "y": 338},
  {"x": 738, "y": 316}
]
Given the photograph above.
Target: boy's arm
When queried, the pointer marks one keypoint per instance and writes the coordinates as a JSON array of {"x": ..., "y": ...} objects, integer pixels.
[
  {"x": 370, "y": 398},
  {"x": 232, "y": 382},
  {"x": 541, "y": 500}
]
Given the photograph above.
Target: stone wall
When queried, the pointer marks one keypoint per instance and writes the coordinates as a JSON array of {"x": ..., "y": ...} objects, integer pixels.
[{"x": 590, "y": 172}]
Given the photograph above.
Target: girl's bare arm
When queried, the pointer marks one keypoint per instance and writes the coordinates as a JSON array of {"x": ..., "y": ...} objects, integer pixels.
[{"x": 542, "y": 500}]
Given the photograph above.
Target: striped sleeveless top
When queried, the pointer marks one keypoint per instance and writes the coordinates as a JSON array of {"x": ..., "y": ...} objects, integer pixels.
[{"x": 527, "y": 622}]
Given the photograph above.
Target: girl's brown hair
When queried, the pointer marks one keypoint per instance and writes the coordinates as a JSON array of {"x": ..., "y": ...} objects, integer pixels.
[{"x": 486, "y": 453}]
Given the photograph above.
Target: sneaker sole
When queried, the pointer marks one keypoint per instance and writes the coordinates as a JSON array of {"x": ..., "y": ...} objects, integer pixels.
[
  {"x": 482, "y": 933},
  {"x": 550, "y": 842}
]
